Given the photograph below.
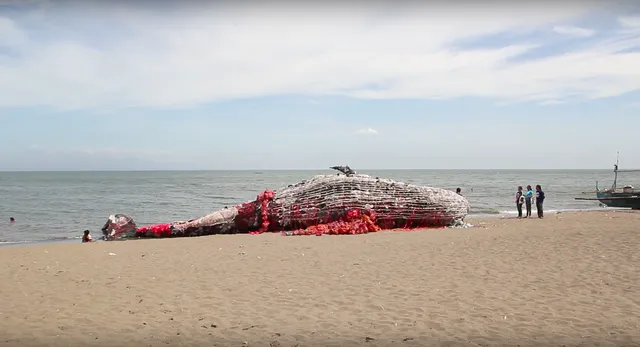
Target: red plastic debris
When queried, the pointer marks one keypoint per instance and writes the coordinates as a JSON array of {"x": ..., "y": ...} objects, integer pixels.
[
  {"x": 159, "y": 230},
  {"x": 247, "y": 210},
  {"x": 354, "y": 222}
]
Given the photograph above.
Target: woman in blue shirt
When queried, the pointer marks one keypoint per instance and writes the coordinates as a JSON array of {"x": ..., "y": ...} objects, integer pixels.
[{"x": 528, "y": 196}]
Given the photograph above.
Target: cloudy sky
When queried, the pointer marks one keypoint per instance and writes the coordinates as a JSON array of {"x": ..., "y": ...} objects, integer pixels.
[{"x": 273, "y": 85}]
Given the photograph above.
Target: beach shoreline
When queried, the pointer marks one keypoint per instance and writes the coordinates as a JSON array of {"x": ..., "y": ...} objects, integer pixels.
[
  {"x": 78, "y": 238},
  {"x": 52, "y": 206},
  {"x": 567, "y": 279}
]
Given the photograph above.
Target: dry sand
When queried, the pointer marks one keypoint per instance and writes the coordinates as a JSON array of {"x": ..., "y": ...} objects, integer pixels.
[{"x": 570, "y": 279}]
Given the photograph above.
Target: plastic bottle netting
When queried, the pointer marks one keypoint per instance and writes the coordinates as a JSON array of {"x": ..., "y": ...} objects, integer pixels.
[{"x": 327, "y": 204}]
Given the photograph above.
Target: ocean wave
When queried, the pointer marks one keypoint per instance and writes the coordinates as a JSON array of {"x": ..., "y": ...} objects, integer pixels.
[
  {"x": 552, "y": 211},
  {"x": 484, "y": 211},
  {"x": 6, "y": 242},
  {"x": 41, "y": 240},
  {"x": 476, "y": 213},
  {"x": 61, "y": 238},
  {"x": 225, "y": 198}
]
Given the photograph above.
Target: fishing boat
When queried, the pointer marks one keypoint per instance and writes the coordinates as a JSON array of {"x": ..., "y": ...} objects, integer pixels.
[{"x": 625, "y": 197}]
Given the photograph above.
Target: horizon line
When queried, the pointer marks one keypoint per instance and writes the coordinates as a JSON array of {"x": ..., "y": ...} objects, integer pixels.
[{"x": 280, "y": 170}]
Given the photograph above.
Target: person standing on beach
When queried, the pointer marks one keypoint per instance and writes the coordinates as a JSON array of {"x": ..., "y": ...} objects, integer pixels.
[
  {"x": 528, "y": 196},
  {"x": 519, "y": 201},
  {"x": 539, "y": 200}
]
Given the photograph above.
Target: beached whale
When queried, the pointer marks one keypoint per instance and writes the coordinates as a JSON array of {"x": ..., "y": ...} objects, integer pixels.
[{"x": 326, "y": 204}]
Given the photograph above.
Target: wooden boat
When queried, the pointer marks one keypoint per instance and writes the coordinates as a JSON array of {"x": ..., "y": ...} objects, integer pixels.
[{"x": 625, "y": 197}]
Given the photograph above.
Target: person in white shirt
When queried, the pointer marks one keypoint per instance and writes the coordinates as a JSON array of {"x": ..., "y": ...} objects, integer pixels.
[
  {"x": 87, "y": 237},
  {"x": 519, "y": 201}
]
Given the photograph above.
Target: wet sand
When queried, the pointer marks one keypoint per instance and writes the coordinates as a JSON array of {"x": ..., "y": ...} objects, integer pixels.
[{"x": 570, "y": 279}]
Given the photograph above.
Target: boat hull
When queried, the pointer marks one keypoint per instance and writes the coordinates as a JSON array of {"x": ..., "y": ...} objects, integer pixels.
[{"x": 618, "y": 200}]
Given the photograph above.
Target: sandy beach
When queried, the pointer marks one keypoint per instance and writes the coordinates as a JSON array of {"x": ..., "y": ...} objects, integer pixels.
[{"x": 570, "y": 279}]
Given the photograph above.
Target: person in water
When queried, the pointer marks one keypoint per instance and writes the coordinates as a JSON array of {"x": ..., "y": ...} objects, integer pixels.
[
  {"x": 539, "y": 200},
  {"x": 528, "y": 196},
  {"x": 87, "y": 236},
  {"x": 458, "y": 191},
  {"x": 12, "y": 220},
  {"x": 519, "y": 198}
]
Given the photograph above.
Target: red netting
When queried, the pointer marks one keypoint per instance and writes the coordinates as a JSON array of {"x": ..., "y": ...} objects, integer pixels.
[
  {"x": 254, "y": 213},
  {"x": 353, "y": 223},
  {"x": 158, "y": 230}
]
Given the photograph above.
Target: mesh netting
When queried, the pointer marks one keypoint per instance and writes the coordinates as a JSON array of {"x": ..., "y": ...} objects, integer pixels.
[
  {"x": 328, "y": 198},
  {"x": 327, "y": 204}
]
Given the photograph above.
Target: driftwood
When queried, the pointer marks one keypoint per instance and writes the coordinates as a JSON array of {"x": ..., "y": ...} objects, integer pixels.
[{"x": 320, "y": 200}]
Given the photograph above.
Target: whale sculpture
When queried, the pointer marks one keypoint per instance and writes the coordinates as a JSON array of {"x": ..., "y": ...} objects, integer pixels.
[{"x": 347, "y": 203}]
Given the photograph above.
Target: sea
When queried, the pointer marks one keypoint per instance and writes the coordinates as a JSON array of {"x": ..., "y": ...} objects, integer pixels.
[{"x": 58, "y": 206}]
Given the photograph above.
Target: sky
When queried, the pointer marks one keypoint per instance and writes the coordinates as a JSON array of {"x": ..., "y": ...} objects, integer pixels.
[{"x": 192, "y": 85}]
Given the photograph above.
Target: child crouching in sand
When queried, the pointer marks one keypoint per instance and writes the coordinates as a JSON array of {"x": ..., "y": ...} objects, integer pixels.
[{"x": 87, "y": 236}]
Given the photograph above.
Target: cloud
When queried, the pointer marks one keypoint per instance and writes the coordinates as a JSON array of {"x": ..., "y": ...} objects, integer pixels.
[
  {"x": 573, "y": 31},
  {"x": 10, "y": 35},
  {"x": 632, "y": 105},
  {"x": 367, "y": 131},
  {"x": 107, "y": 56},
  {"x": 57, "y": 158},
  {"x": 631, "y": 21},
  {"x": 109, "y": 151},
  {"x": 20, "y": 2},
  {"x": 551, "y": 102}
]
